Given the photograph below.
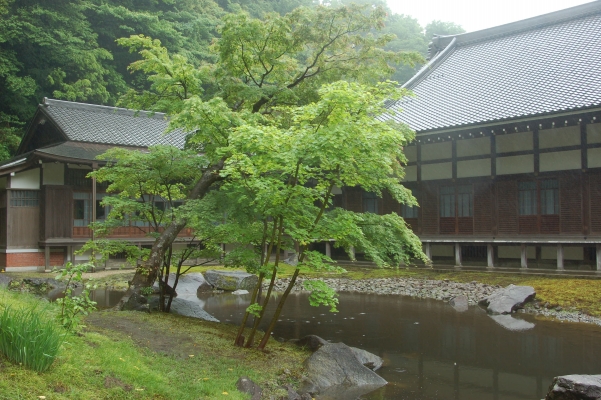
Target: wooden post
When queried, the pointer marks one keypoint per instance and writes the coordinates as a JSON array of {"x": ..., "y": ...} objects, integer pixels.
[
  {"x": 458, "y": 254},
  {"x": 490, "y": 255},
  {"x": 328, "y": 249},
  {"x": 560, "y": 257},
  {"x": 598, "y": 258},
  {"x": 47, "y": 258},
  {"x": 524, "y": 256},
  {"x": 428, "y": 250}
]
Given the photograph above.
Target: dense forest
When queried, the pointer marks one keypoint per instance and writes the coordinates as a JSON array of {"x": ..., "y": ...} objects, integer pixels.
[{"x": 66, "y": 49}]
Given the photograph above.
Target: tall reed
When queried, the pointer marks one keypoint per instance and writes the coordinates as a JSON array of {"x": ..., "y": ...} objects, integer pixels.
[{"x": 28, "y": 338}]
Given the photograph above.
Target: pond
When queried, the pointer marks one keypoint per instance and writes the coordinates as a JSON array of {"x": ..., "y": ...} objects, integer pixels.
[{"x": 430, "y": 350}]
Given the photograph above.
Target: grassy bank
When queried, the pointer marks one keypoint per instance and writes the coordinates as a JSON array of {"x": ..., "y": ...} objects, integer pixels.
[{"x": 131, "y": 355}]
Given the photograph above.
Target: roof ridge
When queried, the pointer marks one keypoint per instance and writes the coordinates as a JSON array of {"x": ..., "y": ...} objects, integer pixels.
[
  {"x": 524, "y": 25},
  {"x": 103, "y": 109}
]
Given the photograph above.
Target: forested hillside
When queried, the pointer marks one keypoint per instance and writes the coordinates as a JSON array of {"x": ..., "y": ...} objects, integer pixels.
[{"x": 66, "y": 49}]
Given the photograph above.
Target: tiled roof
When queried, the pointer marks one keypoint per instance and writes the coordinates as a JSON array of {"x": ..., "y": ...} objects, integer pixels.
[
  {"x": 111, "y": 125},
  {"x": 76, "y": 150},
  {"x": 546, "y": 64}
]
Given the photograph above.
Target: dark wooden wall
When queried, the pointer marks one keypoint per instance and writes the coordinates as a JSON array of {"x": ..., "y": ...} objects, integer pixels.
[
  {"x": 56, "y": 214},
  {"x": 496, "y": 208},
  {"x": 23, "y": 224}
]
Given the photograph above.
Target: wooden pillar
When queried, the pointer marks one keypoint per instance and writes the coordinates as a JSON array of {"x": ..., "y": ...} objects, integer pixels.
[
  {"x": 524, "y": 256},
  {"x": 490, "y": 255},
  {"x": 560, "y": 257},
  {"x": 428, "y": 250},
  {"x": 46, "y": 258},
  {"x": 458, "y": 254},
  {"x": 70, "y": 254},
  {"x": 598, "y": 257},
  {"x": 328, "y": 249}
]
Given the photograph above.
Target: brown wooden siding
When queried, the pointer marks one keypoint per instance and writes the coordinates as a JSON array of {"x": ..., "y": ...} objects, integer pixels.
[
  {"x": 570, "y": 201},
  {"x": 429, "y": 209},
  {"x": 447, "y": 225},
  {"x": 389, "y": 205},
  {"x": 465, "y": 225},
  {"x": 23, "y": 227},
  {"x": 528, "y": 224},
  {"x": 354, "y": 197},
  {"x": 595, "y": 202},
  {"x": 483, "y": 210},
  {"x": 56, "y": 213},
  {"x": 507, "y": 207}
]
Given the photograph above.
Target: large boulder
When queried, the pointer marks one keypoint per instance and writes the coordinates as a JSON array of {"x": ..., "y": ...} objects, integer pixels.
[
  {"x": 310, "y": 342},
  {"x": 333, "y": 371},
  {"x": 187, "y": 284},
  {"x": 507, "y": 300},
  {"x": 190, "y": 308},
  {"x": 459, "y": 303},
  {"x": 368, "y": 359},
  {"x": 231, "y": 280},
  {"x": 575, "y": 387},
  {"x": 245, "y": 385}
]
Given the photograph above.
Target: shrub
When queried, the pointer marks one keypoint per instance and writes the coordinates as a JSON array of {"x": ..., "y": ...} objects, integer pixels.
[
  {"x": 27, "y": 338},
  {"x": 74, "y": 307}
]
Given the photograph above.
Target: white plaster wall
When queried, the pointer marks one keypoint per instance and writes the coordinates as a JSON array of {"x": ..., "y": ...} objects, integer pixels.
[
  {"x": 473, "y": 147},
  {"x": 466, "y": 169},
  {"x": 436, "y": 151},
  {"x": 410, "y": 173},
  {"x": 548, "y": 253},
  {"x": 514, "y": 142},
  {"x": 594, "y": 158},
  {"x": 560, "y": 160},
  {"x": 515, "y": 164},
  {"x": 54, "y": 174},
  {"x": 3, "y": 183},
  {"x": 516, "y": 252},
  {"x": 410, "y": 153},
  {"x": 593, "y": 133},
  {"x": 29, "y": 179},
  {"x": 559, "y": 137},
  {"x": 437, "y": 171},
  {"x": 443, "y": 250},
  {"x": 573, "y": 253},
  {"x": 336, "y": 190}
]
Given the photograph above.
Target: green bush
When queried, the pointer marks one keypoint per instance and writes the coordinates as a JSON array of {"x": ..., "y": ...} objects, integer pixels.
[{"x": 27, "y": 338}]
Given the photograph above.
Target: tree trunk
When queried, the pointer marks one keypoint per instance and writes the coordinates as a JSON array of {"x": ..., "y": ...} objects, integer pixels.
[{"x": 146, "y": 273}]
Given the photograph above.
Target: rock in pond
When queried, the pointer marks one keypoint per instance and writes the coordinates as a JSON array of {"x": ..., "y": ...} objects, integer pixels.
[
  {"x": 231, "y": 280},
  {"x": 507, "y": 300},
  {"x": 575, "y": 387},
  {"x": 334, "y": 372},
  {"x": 188, "y": 308},
  {"x": 240, "y": 291},
  {"x": 512, "y": 324},
  {"x": 187, "y": 284},
  {"x": 368, "y": 359},
  {"x": 310, "y": 342},
  {"x": 459, "y": 303}
]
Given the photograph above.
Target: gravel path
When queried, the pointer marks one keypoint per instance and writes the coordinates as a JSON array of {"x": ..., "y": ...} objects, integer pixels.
[{"x": 435, "y": 289}]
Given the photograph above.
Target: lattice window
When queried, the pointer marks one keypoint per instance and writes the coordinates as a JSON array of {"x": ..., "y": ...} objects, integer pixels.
[
  {"x": 24, "y": 198},
  {"x": 549, "y": 197},
  {"x": 447, "y": 201},
  {"x": 370, "y": 202},
  {"x": 465, "y": 201},
  {"x": 409, "y": 211},
  {"x": 527, "y": 198}
]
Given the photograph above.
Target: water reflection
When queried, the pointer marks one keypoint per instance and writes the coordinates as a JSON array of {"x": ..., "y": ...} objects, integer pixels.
[{"x": 433, "y": 352}]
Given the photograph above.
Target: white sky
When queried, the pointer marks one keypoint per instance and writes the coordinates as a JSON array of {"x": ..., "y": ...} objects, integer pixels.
[{"x": 474, "y": 15}]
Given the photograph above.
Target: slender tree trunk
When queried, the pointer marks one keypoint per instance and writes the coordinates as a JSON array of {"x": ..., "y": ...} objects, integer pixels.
[{"x": 146, "y": 274}]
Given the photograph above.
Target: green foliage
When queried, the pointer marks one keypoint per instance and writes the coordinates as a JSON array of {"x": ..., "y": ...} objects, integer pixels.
[
  {"x": 28, "y": 338},
  {"x": 147, "y": 291},
  {"x": 442, "y": 28},
  {"x": 254, "y": 309},
  {"x": 74, "y": 307},
  {"x": 321, "y": 294}
]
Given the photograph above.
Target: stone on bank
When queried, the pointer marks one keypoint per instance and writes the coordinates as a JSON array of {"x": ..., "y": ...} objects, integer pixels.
[{"x": 231, "y": 280}]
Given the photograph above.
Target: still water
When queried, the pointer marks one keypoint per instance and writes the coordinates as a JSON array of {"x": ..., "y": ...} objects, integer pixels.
[{"x": 432, "y": 351}]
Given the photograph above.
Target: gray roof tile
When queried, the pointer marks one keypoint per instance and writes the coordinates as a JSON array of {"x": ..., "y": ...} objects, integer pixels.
[
  {"x": 111, "y": 125},
  {"x": 516, "y": 73}
]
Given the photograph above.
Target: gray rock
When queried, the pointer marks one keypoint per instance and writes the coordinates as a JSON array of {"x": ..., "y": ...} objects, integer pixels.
[
  {"x": 575, "y": 387},
  {"x": 509, "y": 299},
  {"x": 245, "y": 385},
  {"x": 231, "y": 280},
  {"x": 204, "y": 288},
  {"x": 240, "y": 291},
  {"x": 459, "y": 303},
  {"x": 333, "y": 370},
  {"x": 190, "y": 308},
  {"x": 368, "y": 359},
  {"x": 5, "y": 280},
  {"x": 187, "y": 284},
  {"x": 513, "y": 324}
]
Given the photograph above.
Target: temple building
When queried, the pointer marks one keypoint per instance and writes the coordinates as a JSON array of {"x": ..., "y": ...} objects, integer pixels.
[{"x": 506, "y": 164}]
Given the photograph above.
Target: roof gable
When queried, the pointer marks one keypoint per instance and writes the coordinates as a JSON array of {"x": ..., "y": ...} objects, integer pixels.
[
  {"x": 514, "y": 73},
  {"x": 91, "y": 123}
]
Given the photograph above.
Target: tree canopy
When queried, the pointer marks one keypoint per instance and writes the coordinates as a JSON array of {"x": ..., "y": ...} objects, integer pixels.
[{"x": 68, "y": 50}]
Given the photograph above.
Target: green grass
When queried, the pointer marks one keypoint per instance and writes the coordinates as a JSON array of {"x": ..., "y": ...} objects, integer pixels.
[
  {"x": 28, "y": 337},
  {"x": 132, "y": 355}
]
